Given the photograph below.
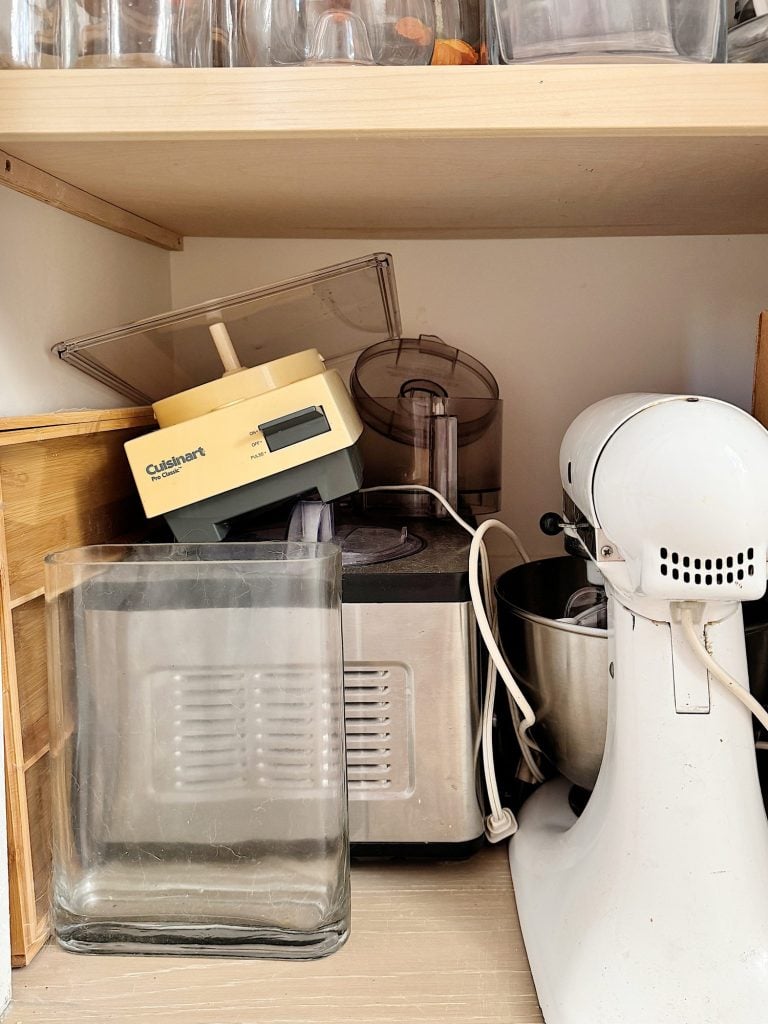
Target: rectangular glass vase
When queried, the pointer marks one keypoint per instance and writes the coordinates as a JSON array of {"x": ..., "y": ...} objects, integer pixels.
[{"x": 197, "y": 741}]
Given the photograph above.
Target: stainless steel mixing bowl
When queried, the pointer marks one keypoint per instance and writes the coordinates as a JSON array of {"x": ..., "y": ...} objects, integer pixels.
[{"x": 562, "y": 668}]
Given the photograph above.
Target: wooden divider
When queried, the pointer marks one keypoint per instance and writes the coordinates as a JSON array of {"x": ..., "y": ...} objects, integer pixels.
[
  {"x": 760, "y": 391},
  {"x": 64, "y": 482}
]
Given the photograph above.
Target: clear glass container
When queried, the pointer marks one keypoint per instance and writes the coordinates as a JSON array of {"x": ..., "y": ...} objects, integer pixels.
[
  {"x": 748, "y": 35},
  {"x": 225, "y": 46},
  {"x": 34, "y": 34},
  {"x": 197, "y": 744},
  {"x": 143, "y": 33},
  {"x": 460, "y": 32},
  {"x": 287, "y": 32},
  {"x": 608, "y": 30}
]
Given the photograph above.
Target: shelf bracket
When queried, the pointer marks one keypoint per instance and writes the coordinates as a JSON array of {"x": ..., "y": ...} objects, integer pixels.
[{"x": 31, "y": 181}]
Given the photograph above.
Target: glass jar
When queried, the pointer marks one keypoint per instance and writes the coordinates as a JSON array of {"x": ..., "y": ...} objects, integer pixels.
[
  {"x": 143, "y": 33},
  {"x": 34, "y": 34},
  {"x": 460, "y": 32},
  {"x": 748, "y": 36},
  {"x": 608, "y": 30},
  {"x": 225, "y": 43},
  {"x": 197, "y": 744},
  {"x": 287, "y": 32}
]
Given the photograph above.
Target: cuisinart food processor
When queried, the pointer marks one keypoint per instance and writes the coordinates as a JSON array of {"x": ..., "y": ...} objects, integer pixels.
[{"x": 248, "y": 440}]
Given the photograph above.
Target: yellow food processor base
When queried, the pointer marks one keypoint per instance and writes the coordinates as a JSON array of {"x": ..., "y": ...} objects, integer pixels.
[{"x": 248, "y": 440}]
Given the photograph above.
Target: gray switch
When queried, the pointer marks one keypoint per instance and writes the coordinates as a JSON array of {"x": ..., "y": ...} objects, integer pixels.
[{"x": 295, "y": 427}]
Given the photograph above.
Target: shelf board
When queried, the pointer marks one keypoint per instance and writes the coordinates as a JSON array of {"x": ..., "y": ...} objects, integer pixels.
[
  {"x": 437, "y": 943},
  {"x": 528, "y": 151}
]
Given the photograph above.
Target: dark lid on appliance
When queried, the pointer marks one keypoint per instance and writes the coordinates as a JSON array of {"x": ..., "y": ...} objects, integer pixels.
[
  {"x": 396, "y": 384},
  {"x": 438, "y": 572}
]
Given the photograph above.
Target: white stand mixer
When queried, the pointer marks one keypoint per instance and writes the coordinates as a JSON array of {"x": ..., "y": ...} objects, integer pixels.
[{"x": 652, "y": 906}]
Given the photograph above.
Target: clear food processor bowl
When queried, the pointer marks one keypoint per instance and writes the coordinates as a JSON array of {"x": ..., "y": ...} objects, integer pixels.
[{"x": 432, "y": 417}]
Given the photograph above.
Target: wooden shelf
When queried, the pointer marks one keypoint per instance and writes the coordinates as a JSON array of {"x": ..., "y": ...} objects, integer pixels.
[
  {"x": 433, "y": 943},
  {"x": 529, "y": 151}
]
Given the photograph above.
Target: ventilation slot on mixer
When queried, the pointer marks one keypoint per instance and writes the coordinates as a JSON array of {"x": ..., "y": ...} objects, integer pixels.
[
  {"x": 368, "y": 715},
  {"x": 707, "y": 572}
]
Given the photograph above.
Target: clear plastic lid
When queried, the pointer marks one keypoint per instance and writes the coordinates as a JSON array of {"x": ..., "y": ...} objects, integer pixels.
[{"x": 338, "y": 310}]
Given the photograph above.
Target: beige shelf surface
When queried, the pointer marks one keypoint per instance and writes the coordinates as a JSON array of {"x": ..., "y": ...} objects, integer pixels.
[
  {"x": 403, "y": 152},
  {"x": 430, "y": 944}
]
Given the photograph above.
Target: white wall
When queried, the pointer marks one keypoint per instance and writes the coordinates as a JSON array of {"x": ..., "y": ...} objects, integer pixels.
[
  {"x": 61, "y": 277},
  {"x": 560, "y": 322}
]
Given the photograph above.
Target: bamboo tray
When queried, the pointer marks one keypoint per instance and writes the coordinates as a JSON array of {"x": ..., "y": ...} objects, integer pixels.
[{"x": 64, "y": 482}]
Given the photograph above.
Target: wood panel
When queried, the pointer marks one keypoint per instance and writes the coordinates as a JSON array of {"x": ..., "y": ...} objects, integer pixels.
[
  {"x": 433, "y": 943},
  {"x": 407, "y": 152},
  {"x": 32, "y": 676},
  {"x": 760, "y": 390},
  {"x": 61, "y": 485},
  {"x": 90, "y": 420},
  {"x": 474, "y": 187},
  {"x": 63, "y": 492},
  {"x": 24, "y": 921},
  {"x": 39, "y": 808},
  {"x": 528, "y": 188},
  {"x": 143, "y": 105}
]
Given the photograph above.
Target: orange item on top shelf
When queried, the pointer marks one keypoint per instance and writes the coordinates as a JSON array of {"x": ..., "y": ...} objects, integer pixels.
[{"x": 454, "y": 51}]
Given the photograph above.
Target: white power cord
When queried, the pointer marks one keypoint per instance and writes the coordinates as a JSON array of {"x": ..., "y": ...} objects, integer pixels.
[
  {"x": 489, "y": 632},
  {"x": 500, "y": 823},
  {"x": 718, "y": 672}
]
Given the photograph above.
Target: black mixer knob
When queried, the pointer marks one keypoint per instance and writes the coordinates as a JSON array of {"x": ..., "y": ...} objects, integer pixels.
[{"x": 551, "y": 523}]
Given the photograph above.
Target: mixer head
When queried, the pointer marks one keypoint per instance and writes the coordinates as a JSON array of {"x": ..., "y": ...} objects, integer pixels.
[{"x": 668, "y": 494}]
